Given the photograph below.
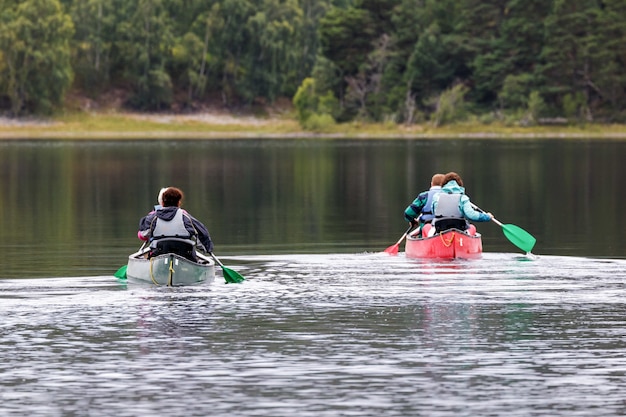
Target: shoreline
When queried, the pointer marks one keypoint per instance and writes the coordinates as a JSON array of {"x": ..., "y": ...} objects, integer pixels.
[
  {"x": 210, "y": 135},
  {"x": 214, "y": 125}
]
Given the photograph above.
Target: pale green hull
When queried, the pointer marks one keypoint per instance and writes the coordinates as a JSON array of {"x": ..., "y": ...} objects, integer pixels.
[{"x": 170, "y": 270}]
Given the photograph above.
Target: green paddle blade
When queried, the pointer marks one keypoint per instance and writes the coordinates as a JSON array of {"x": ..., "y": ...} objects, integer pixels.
[
  {"x": 232, "y": 277},
  {"x": 121, "y": 273},
  {"x": 519, "y": 237}
]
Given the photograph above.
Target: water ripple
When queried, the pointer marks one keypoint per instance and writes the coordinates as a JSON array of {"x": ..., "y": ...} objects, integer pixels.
[{"x": 324, "y": 335}]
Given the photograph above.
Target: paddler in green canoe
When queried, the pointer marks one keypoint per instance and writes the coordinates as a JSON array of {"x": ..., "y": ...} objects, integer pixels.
[{"x": 172, "y": 229}]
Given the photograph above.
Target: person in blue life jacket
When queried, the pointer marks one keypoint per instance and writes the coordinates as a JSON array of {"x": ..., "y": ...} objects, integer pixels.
[
  {"x": 172, "y": 229},
  {"x": 419, "y": 212},
  {"x": 452, "y": 208}
]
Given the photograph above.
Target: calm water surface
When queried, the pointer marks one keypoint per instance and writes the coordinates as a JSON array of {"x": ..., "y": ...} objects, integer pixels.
[{"x": 325, "y": 324}]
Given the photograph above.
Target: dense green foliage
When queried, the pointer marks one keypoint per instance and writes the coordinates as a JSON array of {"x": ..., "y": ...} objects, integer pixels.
[
  {"x": 35, "y": 69},
  {"x": 517, "y": 61}
]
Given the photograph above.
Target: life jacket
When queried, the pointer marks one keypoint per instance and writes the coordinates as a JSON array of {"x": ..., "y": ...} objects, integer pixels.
[
  {"x": 448, "y": 215},
  {"x": 172, "y": 230},
  {"x": 427, "y": 211}
]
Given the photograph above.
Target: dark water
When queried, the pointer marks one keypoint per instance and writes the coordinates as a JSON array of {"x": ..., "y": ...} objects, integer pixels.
[
  {"x": 76, "y": 205},
  {"x": 324, "y": 325}
]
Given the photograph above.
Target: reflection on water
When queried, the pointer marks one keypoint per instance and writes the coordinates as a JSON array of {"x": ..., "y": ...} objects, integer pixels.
[
  {"x": 324, "y": 335},
  {"x": 72, "y": 208}
]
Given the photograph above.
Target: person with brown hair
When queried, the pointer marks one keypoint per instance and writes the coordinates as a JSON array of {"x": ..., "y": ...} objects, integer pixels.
[
  {"x": 419, "y": 212},
  {"x": 452, "y": 208},
  {"x": 172, "y": 229}
]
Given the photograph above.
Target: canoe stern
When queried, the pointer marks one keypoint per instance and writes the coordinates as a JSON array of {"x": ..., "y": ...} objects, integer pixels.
[
  {"x": 451, "y": 244},
  {"x": 169, "y": 270}
]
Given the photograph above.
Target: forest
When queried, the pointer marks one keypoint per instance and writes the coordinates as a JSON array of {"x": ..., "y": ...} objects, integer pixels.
[{"x": 398, "y": 61}]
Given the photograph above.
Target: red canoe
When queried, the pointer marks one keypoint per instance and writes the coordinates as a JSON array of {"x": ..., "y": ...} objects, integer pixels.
[{"x": 450, "y": 244}]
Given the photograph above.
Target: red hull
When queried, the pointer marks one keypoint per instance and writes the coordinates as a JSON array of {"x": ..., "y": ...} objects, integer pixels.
[{"x": 450, "y": 244}]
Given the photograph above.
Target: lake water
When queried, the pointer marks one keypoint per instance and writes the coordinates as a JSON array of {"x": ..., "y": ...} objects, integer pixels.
[{"x": 325, "y": 324}]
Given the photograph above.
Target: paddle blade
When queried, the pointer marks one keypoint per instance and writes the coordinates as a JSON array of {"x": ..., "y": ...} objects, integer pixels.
[
  {"x": 121, "y": 273},
  {"x": 231, "y": 277},
  {"x": 393, "y": 249},
  {"x": 519, "y": 237}
]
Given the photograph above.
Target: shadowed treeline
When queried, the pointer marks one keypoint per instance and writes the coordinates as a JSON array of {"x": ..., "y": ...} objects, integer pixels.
[{"x": 515, "y": 62}]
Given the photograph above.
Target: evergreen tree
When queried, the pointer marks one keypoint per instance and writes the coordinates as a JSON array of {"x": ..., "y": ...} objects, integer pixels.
[
  {"x": 567, "y": 65},
  {"x": 35, "y": 69},
  {"x": 511, "y": 48},
  {"x": 608, "y": 50}
]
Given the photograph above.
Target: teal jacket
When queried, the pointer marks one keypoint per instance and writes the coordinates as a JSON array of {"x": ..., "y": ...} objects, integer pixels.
[
  {"x": 418, "y": 206},
  {"x": 465, "y": 205}
]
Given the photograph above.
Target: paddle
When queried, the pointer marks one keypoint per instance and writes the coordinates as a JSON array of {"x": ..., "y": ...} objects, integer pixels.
[
  {"x": 393, "y": 249},
  {"x": 121, "y": 273},
  {"x": 516, "y": 235},
  {"x": 231, "y": 277}
]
